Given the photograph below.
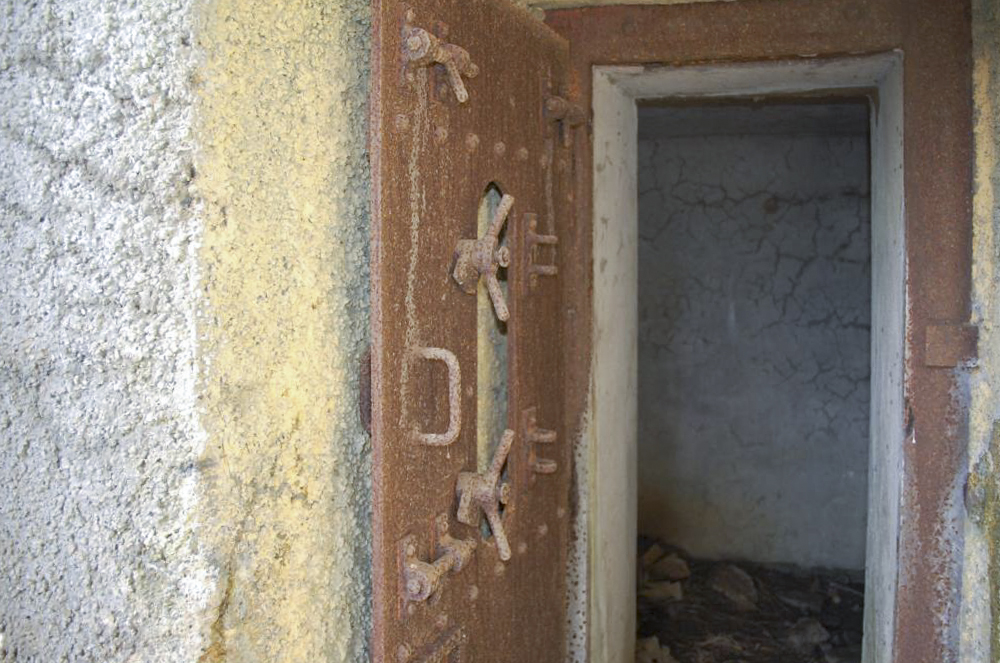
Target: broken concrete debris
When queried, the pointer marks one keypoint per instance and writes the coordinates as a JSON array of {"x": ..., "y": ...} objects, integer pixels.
[
  {"x": 649, "y": 650},
  {"x": 699, "y": 611},
  {"x": 735, "y": 584},
  {"x": 670, "y": 567}
]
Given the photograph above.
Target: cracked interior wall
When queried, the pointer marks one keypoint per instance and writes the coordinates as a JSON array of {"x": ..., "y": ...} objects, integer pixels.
[
  {"x": 754, "y": 310},
  {"x": 283, "y": 171}
]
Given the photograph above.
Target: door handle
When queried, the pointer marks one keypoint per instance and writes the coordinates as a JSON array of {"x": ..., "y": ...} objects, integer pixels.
[
  {"x": 454, "y": 398},
  {"x": 475, "y": 258}
]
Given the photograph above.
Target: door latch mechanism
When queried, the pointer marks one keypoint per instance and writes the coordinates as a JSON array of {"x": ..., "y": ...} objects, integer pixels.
[
  {"x": 421, "y": 580},
  {"x": 534, "y": 436},
  {"x": 424, "y": 49},
  {"x": 475, "y": 258},
  {"x": 486, "y": 492}
]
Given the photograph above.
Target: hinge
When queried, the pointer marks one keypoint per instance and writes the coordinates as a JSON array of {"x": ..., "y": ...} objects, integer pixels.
[{"x": 567, "y": 114}]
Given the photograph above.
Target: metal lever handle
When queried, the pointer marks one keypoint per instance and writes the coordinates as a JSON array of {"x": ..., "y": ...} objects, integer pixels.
[
  {"x": 486, "y": 492},
  {"x": 421, "y": 580},
  {"x": 482, "y": 257},
  {"x": 423, "y": 48},
  {"x": 454, "y": 398}
]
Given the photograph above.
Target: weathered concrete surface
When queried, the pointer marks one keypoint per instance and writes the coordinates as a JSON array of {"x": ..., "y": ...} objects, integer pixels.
[
  {"x": 754, "y": 299},
  {"x": 183, "y": 252},
  {"x": 100, "y": 557},
  {"x": 284, "y": 176},
  {"x": 980, "y": 630}
]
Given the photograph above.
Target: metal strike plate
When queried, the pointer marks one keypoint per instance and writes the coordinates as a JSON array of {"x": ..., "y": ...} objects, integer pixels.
[
  {"x": 475, "y": 258},
  {"x": 424, "y": 49},
  {"x": 486, "y": 493},
  {"x": 533, "y": 435},
  {"x": 535, "y": 241}
]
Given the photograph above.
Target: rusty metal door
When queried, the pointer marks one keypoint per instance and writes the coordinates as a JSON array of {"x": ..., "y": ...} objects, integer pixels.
[{"x": 471, "y": 143}]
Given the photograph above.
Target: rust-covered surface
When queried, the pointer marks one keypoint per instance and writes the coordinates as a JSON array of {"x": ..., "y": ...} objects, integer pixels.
[
  {"x": 935, "y": 38},
  {"x": 458, "y": 103}
]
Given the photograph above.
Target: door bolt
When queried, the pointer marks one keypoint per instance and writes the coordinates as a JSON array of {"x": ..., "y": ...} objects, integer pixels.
[
  {"x": 421, "y": 580},
  {"x": 424, "y": 49}
]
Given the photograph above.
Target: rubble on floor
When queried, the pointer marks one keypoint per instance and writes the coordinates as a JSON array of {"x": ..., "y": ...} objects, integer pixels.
[{"x": 695, "y": 611}]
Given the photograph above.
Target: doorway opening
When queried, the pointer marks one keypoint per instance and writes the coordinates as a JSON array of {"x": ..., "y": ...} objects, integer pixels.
[
  {"x": 753, "y": 343},
  {"x": 728, "y": 415}
]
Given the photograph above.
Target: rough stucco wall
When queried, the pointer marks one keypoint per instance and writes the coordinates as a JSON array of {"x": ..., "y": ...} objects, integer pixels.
[
  {"x": 754, "y": 298},
  {"x": 284, "y": 175},
  {"x": 980, "y": 629},
  {"x": 98, "y": 264}
]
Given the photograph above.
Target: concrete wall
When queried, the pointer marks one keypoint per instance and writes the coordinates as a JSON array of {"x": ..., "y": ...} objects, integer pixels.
[
  {"x": 99, "y": 287},
  {"x": 980, "y": 626},
  {"x": 283, "y": 173},
  {"x": 183, "y": 253},
  {"x": 754, "y": 298}
]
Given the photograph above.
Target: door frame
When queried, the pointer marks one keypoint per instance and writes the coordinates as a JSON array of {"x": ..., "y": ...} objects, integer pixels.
[
  {"x": 917, "y": 59},
  {"x": 613, "y": 402}
]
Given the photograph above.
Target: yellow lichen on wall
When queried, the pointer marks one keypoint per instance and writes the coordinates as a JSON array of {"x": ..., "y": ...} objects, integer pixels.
[
  {"x": 283, "y": 178},
  {"x": 980, "y": 630}
]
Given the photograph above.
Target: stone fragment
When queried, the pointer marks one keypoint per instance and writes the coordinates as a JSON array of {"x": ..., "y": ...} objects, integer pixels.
[
  {"x": 735, "y": 584},
  {"x": 809, "y": 602},
  {"x": 652, "y": 553},
  {"x": 806, "y": 634},
  {"x": 670, "y": 567},
  {"x": 662, "y": 591},
  {"x": 649, "y": 650}
]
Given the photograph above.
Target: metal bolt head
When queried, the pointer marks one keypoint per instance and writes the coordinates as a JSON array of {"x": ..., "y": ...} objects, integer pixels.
[
  {"x": 503, "y": 256},
  {"x": 504, "y": 493}
]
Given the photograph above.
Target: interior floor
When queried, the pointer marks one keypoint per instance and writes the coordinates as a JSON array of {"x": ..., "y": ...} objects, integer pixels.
[{"x": 700, "y": 611}]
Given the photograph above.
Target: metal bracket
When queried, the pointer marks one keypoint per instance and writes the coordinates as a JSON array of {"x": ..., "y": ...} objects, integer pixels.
[
  {"x": 949, "y": 345},
  {"x": 454, "y": 398},
  {"x": 485, "y": 492},
  {"x": 567, "y": 114},
  {"x": 424, "y": 49},
  {"x": 534, "y": 240},
  {"x": 421, "y": 580},
  {"x": 475, "y": 258}
]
